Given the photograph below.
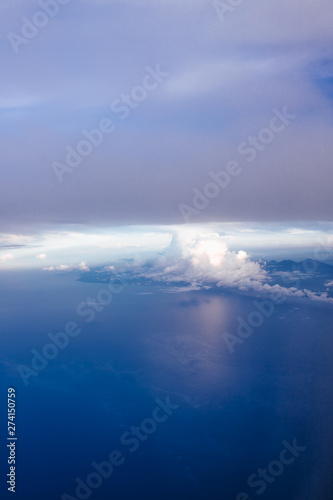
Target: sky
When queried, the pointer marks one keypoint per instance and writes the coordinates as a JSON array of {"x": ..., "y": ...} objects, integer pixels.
[
  {"x": 121, "y": 120},
  {"x": 81, "y": 247}
]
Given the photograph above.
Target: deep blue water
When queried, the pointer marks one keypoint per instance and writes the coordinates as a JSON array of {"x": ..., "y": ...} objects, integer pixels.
[{"x": 234, "y": 409}]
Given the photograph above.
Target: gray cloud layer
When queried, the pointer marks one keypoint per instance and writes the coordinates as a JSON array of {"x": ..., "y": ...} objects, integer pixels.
[{"x": 225, "y": 79}]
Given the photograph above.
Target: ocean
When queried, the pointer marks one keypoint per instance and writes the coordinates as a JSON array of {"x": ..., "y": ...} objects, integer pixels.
[{"x": 147, "y": 401}]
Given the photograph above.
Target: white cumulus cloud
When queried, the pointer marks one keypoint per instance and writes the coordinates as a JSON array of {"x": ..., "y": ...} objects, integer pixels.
[{"x": 204, "y": 261}]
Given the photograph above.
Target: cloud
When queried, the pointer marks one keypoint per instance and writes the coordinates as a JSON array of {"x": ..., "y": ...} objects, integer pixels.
[
  {"x": 7, "y": 256},
  {"x": 61, "y": 267},
  {"x": 66, "y": 268},
  {"x": 83, "y": 267},
  {"x": 299, "y": 231},
  {"x": 204, "y": 261},
  {"x": 109, "y": 268},
  {"x": 16, "y": 241},
  {"x": 225, "y": 79},
  {"x": 41, "y": 256}
]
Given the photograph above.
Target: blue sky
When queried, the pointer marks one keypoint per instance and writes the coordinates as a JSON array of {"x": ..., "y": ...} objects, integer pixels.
[{"x": 219, "y": 84}]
